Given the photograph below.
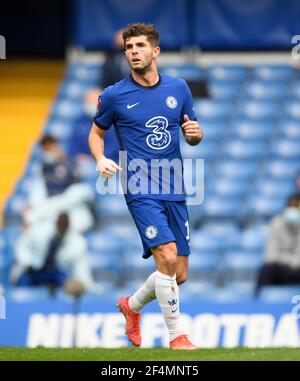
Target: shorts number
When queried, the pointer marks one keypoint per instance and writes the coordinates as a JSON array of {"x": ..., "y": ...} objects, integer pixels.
[{"x": 187, "y": 230}]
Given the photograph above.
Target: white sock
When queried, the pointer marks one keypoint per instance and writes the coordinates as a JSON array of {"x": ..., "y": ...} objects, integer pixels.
[
  {"x": 167, "y": 294},
  {"x": 144, "y": 295}
]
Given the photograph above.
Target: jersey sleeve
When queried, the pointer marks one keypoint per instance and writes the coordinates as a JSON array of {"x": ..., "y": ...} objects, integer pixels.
[
  {"x": 105, "y": 113},
  {"x": 188, "y": 106}
]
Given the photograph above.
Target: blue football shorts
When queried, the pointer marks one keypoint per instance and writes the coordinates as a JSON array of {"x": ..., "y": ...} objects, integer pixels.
[{"x": 159, "y": 222}]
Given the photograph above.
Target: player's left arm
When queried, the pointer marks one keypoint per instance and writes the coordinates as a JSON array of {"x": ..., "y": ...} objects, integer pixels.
[{"x": 192, "y": 131}]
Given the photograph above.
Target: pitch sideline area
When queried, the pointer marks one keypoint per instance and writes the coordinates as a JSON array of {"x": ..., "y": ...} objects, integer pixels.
[{"x": 153, "y": 354}]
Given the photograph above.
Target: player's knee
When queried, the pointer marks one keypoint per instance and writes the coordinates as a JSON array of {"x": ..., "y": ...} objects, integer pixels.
[
  {"x": 167, "y": 254},
  {"x": 181, "y": 277}
]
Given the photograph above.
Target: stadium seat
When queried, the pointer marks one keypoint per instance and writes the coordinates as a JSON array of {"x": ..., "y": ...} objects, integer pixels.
[
  {"x": 221, "y": 208},
  {"x": 292, "y": 109},
  {"x": 244, "y": 150},
  {"x": 212, "y": 109},
  {"x": 213, "y": 129},
  {"x": 286, "y": 149},
  {"x": 59, "y": 128},
  {"x": 203, "y": 264},
  {"x": 74, "y": 89},
  {"x": 258, "y": 110},
  {"x": 227, "y": 187},
  {"x": 186, "y": 71},
  {"x": 279, "y": 294},
  {"x": 240, "y": 264},
  {"x": 253, "y": 239},
  {"x": 263, "y": 206},
  {"x": 281, "y": 169},
  {"x": 273, "y": 72},
  {"x": 289, "y": 128},
  {"x": 224, "y": 90},
  {"x": 205, "y": 150},
  {"x": 207, "y": 242},
  {"x": 99, "y": 242},
  {"x": 227, "y": 72},
  {"x": 273, "y": 187},
  {"x": 241, "y": 169},
  {"x": 265, "y": 90},
  {"x": 112, "y": 207},
  {"x": 27, "y": 294},
  {"x": 250, "y": 129},
  {"x": 84, "y": 72},
  {"x": 67, "y": 109}
]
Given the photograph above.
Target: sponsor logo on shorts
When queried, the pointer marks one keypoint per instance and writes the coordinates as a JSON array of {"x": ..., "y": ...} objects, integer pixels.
[{"x": 151, "y": 232}]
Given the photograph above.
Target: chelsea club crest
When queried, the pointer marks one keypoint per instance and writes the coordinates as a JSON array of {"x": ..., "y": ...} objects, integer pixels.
[
  {"x": 151, "y": 232},
  {"x": 171, "y": 102}
]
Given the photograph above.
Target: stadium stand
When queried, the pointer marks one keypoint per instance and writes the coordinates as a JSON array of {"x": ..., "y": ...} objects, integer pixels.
[{"x": 251, "y": 151}]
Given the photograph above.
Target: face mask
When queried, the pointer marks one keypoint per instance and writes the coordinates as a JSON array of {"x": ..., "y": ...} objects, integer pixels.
[
  {"x": 292, "y": 216},
  {"x": 89, "y": 109},
  {"x": 49, "y": 158}
]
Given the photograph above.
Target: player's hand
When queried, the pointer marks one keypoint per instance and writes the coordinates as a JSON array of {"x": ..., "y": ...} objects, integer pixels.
[
  {"x": 192, "y": 131},
  {"x": 107, "y": 168}
]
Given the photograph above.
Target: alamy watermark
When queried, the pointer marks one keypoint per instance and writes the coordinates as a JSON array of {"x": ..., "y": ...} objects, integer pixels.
[
  {"x": 296, "y": 309},
  {"x": 157, "y": 176},
  {"x": 2, "y": 307},
  {"x": 2, "y": 48},
  {"x": 296, "y": 48}
]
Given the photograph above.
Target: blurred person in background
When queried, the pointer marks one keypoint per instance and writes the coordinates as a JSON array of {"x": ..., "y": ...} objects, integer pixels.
[
  {"x": 115, "y": 66},
  {"x": 58, "y": 187},
  {"x": 79, "y": 149},
  {"x": 282, "y": 253},
  {"x": 51, "y": 255}
]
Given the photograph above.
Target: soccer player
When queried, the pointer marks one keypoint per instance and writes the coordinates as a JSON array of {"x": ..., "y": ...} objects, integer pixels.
[{"x": 147, "y": 110}]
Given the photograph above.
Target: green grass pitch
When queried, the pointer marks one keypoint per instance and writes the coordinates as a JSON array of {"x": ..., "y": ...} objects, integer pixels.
[{"x": 153, "y": 354}]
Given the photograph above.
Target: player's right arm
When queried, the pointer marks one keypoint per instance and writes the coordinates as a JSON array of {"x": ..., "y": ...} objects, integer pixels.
[{"x": 106, "y": 167}]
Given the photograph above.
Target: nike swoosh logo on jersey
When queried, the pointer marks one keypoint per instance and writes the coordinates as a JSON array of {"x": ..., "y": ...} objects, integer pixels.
[{"x": 130, "y": 106}]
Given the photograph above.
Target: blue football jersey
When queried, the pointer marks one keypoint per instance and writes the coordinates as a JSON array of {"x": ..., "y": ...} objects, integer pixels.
[{"x": 148, "y": 123}]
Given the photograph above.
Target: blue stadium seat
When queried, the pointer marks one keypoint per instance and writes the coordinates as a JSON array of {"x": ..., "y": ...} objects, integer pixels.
[
  {"x": 27, "y": 294},
  {"x": 228, "y": 295},
  {"x": 242, "y": 169},
  {"x": 59, "y": 128},
  {"x": 273, "y": 187},
  {"x": 224, "y": 90},
  {"x": 74, "y": 89},
  {"x": 281, "y": 169},
  {"x": 292, "y": 109},
  {"x": 253, "y": 239},
  {"x": 295, "y": 88},
  {"x": 212, "y": 109},
  {"x": 67, "y": 109},
  {"x": 263, "y": 207},
  {"x": 203, "y": 262},
  {"x": 286, "y": 149},
  {"x": 207, "y": 242},
  {"x": 244, "y": 150},
  {"x": 274, "y": 72},
  {"x": 186, "y": 71},
  {"x": 259, "y": 109},
  {"x": 221, "y": 207},
  {"x": 112, "y": 207},
  {"x": 250, "y": 129},
  {"x": 206, "y": 149},
  {"x": 279, "y": 294},
  {"x": 241, "y": 262},
  {"x": 227, "y": 187},
  {"x": 289, "y": 128},
  {"x": 227, "y": 72},
  {"x": 100, "y": 243},
  {"x": 84, "y": 72},
  {"x": 265, "y": 90},
  {"x": 213, "y": 129}
]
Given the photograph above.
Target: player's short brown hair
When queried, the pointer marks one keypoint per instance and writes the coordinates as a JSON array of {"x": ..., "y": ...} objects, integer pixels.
[{"x": 140, "y": 29}]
